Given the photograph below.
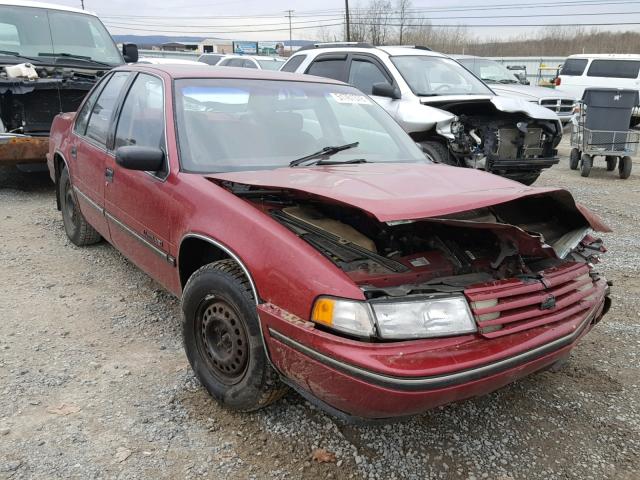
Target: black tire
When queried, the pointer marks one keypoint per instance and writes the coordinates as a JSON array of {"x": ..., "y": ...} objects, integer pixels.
[
  {"x": 612, "y": 161},
  {"x": 438, "y": 153},
  {"x": 75, "y": 225},
  {"x": 222, "y": 339},
  {"x": 574, "y": 159},
  {"x": 585, "y": 165},
  {"x": 624, "y": 167}
]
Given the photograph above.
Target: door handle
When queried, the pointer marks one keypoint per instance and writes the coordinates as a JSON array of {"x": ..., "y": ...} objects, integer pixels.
[
  {"x": 108, "y": 174},
  {"x": 73, "y": 151}
]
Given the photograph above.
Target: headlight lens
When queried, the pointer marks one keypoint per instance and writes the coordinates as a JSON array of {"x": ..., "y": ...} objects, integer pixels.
[
  {"x": 434, "y": 317},
  {"x": 397, "y": 319},
  {"x": 349, "y": 316}
]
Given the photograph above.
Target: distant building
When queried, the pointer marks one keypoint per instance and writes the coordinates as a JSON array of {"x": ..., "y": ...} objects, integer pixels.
[
  {"x": 178, "y": 47},
  {"x": 215, "y": 45}
]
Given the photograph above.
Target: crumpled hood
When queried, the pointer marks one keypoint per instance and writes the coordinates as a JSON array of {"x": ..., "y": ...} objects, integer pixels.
[
  {"x": 528, "y": 92},
  {"x": 402, "y": 191}
]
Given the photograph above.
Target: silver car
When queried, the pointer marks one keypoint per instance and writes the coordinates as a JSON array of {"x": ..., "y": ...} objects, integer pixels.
[{"x": 455, "y": 117}]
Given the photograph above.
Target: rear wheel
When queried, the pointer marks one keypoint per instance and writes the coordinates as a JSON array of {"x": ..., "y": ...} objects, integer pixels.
[
  {"x": 437, "y": 153},
  {"x": 612, "y": 161},
  {"x": 586, "y": 164},
  {"x": 75, "y": 225},
  {"x": 624, "y": 167},
  {"x": 574, "y": 159},
  {"x": 222, "y": 338}
]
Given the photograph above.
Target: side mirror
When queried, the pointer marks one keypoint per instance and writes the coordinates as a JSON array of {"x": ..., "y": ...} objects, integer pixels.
[
  {"x": 383, "y": 89},
  {"x": 147, "y": 159},
  {"x": 130, "y": 52}
]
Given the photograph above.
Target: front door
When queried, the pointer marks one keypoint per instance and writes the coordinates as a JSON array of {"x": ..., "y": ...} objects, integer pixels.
[{"x": 137, "y": 203}]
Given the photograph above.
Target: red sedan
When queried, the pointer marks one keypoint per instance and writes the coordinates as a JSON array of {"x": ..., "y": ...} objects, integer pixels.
[{"x": 314, "y": 246}]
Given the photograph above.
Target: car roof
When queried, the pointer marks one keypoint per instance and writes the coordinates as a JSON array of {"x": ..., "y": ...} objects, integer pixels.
[
  {"x": 206, "y": 71},
  {"x": 50, "y": 6},
  {"x": 256, "y": 57},
  {"x": 394, "y": 51},
  {"x": 612, "y": 56}
]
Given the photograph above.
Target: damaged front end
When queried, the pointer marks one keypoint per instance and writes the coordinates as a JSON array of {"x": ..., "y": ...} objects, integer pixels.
[
  {"x": 508, "y": 137},
  {"x": 30, "y": 97},
  {"x": 507, "y": 267}
]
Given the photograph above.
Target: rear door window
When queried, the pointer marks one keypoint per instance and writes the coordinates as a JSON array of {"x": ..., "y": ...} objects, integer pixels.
[
  {"x": 293, "y": 63},
  {"x": 329, "y": 68},
  {"x": 574, "y": 67},
  {"x": 83, "y": 115},
  {"x": 100, "y": 120},
  {"x": 614, "y": 68}
]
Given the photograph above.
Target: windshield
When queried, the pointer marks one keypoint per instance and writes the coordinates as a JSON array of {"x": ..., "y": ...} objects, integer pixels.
[
  {"x": 233, "y": 125},
  {"x": 489, "y": 71},
  {"x": 430, "y": 76},
  {"x": 43, "y": 35},
  {"x": 270, "y": 64}
]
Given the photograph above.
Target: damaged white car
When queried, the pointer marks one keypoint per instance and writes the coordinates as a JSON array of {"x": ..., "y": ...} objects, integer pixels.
[{"x": 455, "y": 117}]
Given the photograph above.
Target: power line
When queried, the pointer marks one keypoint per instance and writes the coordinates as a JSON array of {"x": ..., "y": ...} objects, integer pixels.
[
  {"x": 208, "y": 32},
  {"x": 289, "y": 13}
]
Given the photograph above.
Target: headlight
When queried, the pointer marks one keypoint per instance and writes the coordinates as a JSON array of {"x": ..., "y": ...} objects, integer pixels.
[
  {"x": 434, "y": 317},
  {"x": 396, "y": 319}
]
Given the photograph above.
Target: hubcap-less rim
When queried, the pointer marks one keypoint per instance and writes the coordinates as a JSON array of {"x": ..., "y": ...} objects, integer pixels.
[{"x": 223, "y": 340}]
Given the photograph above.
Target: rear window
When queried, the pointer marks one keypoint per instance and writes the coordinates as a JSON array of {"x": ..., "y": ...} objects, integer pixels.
[
  {"x": 574, "y": 67},
  {"x": 614, "y": 68}
]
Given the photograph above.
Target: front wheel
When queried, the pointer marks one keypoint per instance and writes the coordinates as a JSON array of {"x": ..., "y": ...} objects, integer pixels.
[
  {"x": 437, "y": 153},
  {"x": 222, "y": 338},
  {"x": 75, "y": 225},
  {"x": 587, "y": 163}
]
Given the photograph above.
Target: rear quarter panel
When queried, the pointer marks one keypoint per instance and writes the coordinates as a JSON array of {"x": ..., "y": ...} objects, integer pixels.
[{"x": 59, "y": 141}]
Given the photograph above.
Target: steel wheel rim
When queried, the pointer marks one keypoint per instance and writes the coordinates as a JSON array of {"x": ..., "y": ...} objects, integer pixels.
[{"x": 222, "y": 340}]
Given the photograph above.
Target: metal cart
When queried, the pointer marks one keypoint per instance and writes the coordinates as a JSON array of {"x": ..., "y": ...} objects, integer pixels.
[{"x": 602, "y": 129}]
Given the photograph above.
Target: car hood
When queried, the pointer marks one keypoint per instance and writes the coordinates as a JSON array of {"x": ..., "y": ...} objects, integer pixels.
[
  {"x": 528, "y": 92},
  {"x": 400, "y": 191},
  {"x": 502, "y": 103}
]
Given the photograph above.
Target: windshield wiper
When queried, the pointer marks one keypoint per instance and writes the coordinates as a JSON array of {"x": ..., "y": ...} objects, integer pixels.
[
  {"x": 325, "y": 152},
  {"x": 18, "y": 55},
  {"x": 71, "y": 56}
]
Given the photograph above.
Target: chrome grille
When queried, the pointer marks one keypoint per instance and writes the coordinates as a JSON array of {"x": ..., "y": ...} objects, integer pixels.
[
  {"x": 558, "y": 105},
  {"x": 513, "y": 305}
]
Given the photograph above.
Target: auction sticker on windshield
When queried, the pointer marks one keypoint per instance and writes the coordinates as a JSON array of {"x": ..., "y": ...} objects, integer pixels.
[{"x": 350, "y": 98}]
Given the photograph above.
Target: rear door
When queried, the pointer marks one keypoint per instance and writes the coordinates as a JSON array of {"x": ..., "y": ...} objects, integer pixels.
[
  {"x": 137, "y": 203},
  {"x": 88, "y": 148},
  {"x": 329, "y": 65}
]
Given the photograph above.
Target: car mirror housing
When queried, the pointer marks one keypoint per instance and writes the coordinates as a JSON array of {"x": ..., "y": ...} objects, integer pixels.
[
  {"x": 130, "y": 52},
  {"x": 147, "y": 159},
  {"x": 384, "y": 89}
]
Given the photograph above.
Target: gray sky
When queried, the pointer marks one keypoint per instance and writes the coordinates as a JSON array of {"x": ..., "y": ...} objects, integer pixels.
[{"x": 220, "y": 18}]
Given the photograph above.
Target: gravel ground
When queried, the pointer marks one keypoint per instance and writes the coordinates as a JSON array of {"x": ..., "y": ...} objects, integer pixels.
[{"x": 95, "y": 383}]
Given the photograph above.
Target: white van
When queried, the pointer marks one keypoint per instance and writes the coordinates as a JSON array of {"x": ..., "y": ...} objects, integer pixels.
[{"x": 606, "y": 70}]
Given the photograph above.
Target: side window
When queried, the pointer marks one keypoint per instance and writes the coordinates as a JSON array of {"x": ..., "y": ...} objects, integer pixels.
[
  {"x": 249, "y": 64},
  {"x": 100, "y": 119},
  {"x": 574, "y": 67},
  {"x": 142, "y": 117},
  {"x": 328, "y": 68},
  {"x": 293, "y": 63},
  {"x": 614, "y": 68},
  {"x": 83, "y": 115},
  {"x": 364, "y": 74}
]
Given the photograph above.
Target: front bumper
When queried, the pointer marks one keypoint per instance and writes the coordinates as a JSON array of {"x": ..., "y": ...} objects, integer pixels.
[
  {"x": 384, "y": 380},
  {"x": 528, "y": 164},
  {"x": 17, "y": 149}
]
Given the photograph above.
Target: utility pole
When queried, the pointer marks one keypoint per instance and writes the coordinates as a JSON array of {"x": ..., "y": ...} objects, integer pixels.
[
  {"x": 82, "y": 4},
  {"x": 290, "y": 14},
  {"x": 346, "y": 17}
]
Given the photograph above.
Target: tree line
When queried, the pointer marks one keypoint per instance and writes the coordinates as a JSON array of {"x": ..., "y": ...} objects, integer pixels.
[{"x": 383, "y": 22}]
